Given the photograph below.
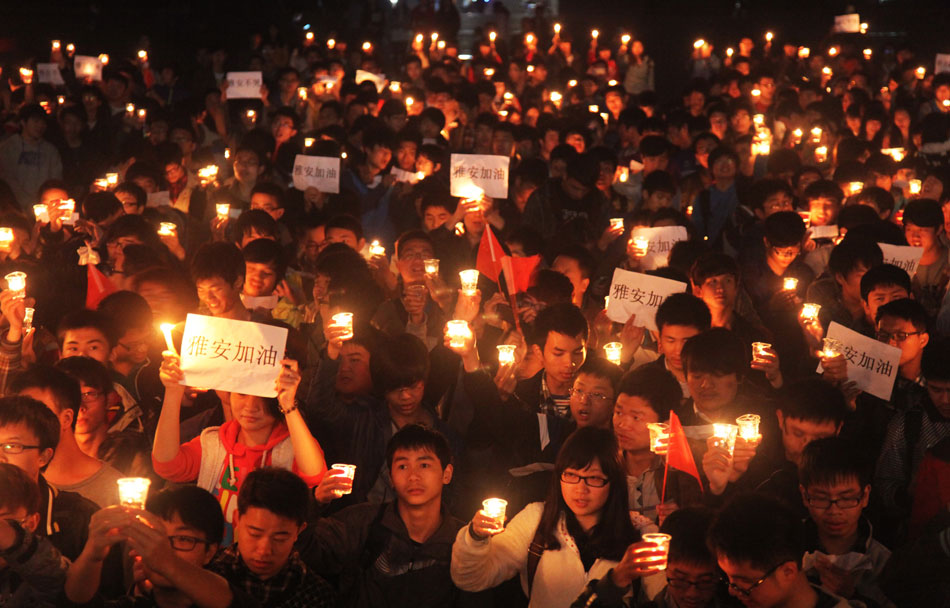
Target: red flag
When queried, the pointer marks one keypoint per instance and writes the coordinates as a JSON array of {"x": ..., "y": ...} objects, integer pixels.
[
  {"x": 522, "y": 270},
  {"x": 490, "y": 254},
  {"x": 98, "y": 286},
  {"x": 679, "y": 455}
]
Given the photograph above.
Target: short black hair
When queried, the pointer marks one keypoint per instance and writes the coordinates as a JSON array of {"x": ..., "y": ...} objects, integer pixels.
[
  {"x": 814, "y": 400},
  {"x": 934, "y": 366},
  {"x": 784, "y": 229},
  {"x": 824, "y": 188},
  {"x": 906, "y": 309},
  {"x": 79, "y": 319},
  {"x": 270, "y": 189},
  {"x": 764, "y": 188},
  {"x": 266, "y": 251},
  {"x": 127, "y": 310},
  {"x": 413, "y": 235},
  {"x": 87, "y": 371},
  {"x": 757, "y": 530},
  {"x": 195, "y": 507},
  {"x": 17, "y": 490},
  {"x": 923, "y": 212},
  {"x": 852, "y": 251},
  {"x": 831, "y": 460},
  {"x": 418, "y": 437},
  {"x": 602, "y": 368},
  {"x": 683, "y": 309},
  {"x": 688, "y": 528},
  {"x": 717, "y": 351},
  {"x": 884, "y": 275},
  {"x": 659, "y": 181},
  {"x": 218, "y": 260},
  {"x": 712, "y": 264},
  {"x": 135, "y": 190},
  {"x": 63, "y": 387},
  {"x": 100, "y": 206},
  {"x": 562, "y": 318},
  {"x": 32, "y": 414},
  {"x": 257, "y": 220},
  {"x": 580, "y": 254},
  {"x": 660, "y": 389},
  {"x": 277, "y": 490},
  {"x": 399, "y": 361},
  {"x": 881, "y": 199},
  {"x": 344, "y": 221}
]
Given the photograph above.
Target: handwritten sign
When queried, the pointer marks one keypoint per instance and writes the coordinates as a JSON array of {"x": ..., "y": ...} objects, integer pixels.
[
  {"x": 87, "y": 67},
  {"x": 244, "y": 85},
  {"x": 660, "y": 242},
  {"x": 49, "y": 73},
  {"x": 473, "y": 172},
  {"x": 633, "y": 293},
  {"x": 162, "y": 198},
  {"x": 872, "y": 365},
  {"x": 824, "y": 232},
  {"x": 378, "y": 81},
  {"x": 850, "y": 23},
  {"x": 407, "y": 177},
  {"x": 942, "y": 63},
  {"x": 907, "y": 258},
  {"x": 320, "y": 172},
  {"x": 233, "y": 356}
]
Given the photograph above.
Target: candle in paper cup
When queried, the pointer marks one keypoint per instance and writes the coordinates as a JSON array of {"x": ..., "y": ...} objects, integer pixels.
[
  {"x": 855, "y": 187},
  {"x": 56, "y": 45},
  {"x": 699, "y": 44},
  {"x": 166, "y": 228},
  {"x": 222, "y": 210},
  {"x": 112, "y": 178},
  {"x": 748, "y": 426},
  {"x": 6, "y": 237},
  {"x": 662, "y": 542},
  {"x": 431, "y": 267},
  {"x": 495, "y": 508},
  {"x": 251, "y": 114},
  {"x": 506, "y": 354},
  {"x": 167, "y": 332},
  {"x": 821, "y": 154},
  {"x": 469, "y": 280},
  {"x": 457, "y": 331},
  {"x": 28, "y": 318},
  {"x": 920, "y": 72},
  {"x": 102, "y": 183},
  {"x": 375, "y": 249},
  {"x": 39, "y": 210},
  {"x": 208, "y": 173},
  {"x": 133, "y": 491},
  {"x": 641, "y": 245},
  {"x": 726, "y": 436},
  {"x": 308, "y": 141},
  {"x": 595, "y": 34},
  {"x": 302, "y": 93},
  {"x": 913, "y": 186},
  {"x": 810, "y": 311},
  {"x": 68, "y": 205},
  {"x": 789, "y": 283},
  {"x": 659, "y": 435},
  {"x": 344, "y": 320},
  {"x": 816, "y": 134},
  {"x": 616, "y": 223},
  {"x": 613, "y": 351},
  {"x": 16, "y": 282},
  {"x": 759, "y": 349},
  {"x": 344, "y": 470},
  {"x": 830, "y": 348}
]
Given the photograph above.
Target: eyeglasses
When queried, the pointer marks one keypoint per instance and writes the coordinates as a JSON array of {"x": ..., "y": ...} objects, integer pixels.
[
  {"x": 845, "y": 502},
  {"x": 581, "y": 393},
  {"x": 140, "y": 345},
  {"x": 91, "y": 395},
  {"x": 748, "y": 590},
  {"x": 185, "y": 543},
  {"x": 591, "y": 481},
  {"x": 16, "y": 448},
  {"x": 683, "y": 584},
  {"x": 899, "y": 336}
]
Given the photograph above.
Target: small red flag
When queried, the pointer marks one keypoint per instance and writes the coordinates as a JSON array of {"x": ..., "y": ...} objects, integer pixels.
[
  {"x": 679, "y": 455},
  {"x": 98, "y": 286},
  {"x": 522, "y": 271},
  {"x": 490, "y": 254}
]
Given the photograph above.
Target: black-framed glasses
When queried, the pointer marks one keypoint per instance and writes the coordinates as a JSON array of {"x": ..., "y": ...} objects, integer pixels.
[
  {"x": 845, "y": 502},
  {"x": 16, "y": 448},
  {"x": 185, "y": 543},
  {"x": 703, "y": 584},
  {"x": 581, "y": 393},
  {"x": 899, "y": 336},
  {"x": 591, "y": 481},
  {"x": 748, "y": 590}
]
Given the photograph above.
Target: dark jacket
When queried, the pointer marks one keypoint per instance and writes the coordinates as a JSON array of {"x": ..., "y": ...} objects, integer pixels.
[
  {"x": 35, "y": 571},
  {"x": 64, "y": 518}
]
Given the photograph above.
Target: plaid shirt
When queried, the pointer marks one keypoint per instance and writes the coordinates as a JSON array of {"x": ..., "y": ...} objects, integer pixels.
[
  {"x": 293, "y": 587},
  {"x": 558, "y": 405}
]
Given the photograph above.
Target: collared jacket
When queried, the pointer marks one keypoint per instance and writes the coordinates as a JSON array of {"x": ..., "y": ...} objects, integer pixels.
[{"x": 35, "y": 571}]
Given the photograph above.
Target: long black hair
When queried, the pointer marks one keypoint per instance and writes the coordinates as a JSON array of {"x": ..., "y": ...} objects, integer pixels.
[{"x": 614, "y": 532}]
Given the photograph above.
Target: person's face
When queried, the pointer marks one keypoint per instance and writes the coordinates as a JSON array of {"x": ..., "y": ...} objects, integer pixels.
[
  {"x": 712, "y": 392},
  {"x": 592, "y": 401},
  {"x": 378, "y": 157},
  {"x": 86, "y": 342},
  {"x": 931, "y": 187},
  {"x": 71, "y": 125},
  {"x": 259, "y": 279},
  {"x": 265, "y": 540},
  {"x": 130, "y": 206},
  {"x": 614, "y": 103},
  {"x": 184, "y": 140},
  {"x": 289, "y": 83},
  {"x": 804, "y": 181},
  {"x": 283, "y": 128},
  {"x": 836, "y": 521},
  {"x": 418, "y": 476},
  {"x": 671, "y": 342},
  {"x": 574, "y": 189},
  {"x": 268, "y": 203},
  {"x": 695, "y": 101},
  {"x": 550, "y": 141},
  {"x": 631, "y": 416},
  {"x": 406, "y": 155},
  {"x": 576, "y": 141},
  {"x": 502, "y": 143},
  {"x": 700, "y": 581},
  {"x": 881, "y": 295},
  {"x": 823, "y": 211},
  {"x": 582, "y": 499},
  {"x": 797, "y": 433},
  {"x": 918, "y": 236},
  {"x": 939, "y": 392},
  {"x": 93, "y": 411},
  {"x": 718, "y": 292},
  {"x": 851, "y": 283},
  {"x": 562, "y": 355},
  {"x": 342, "y": 235},
  {"x": 247, "y": 167},
  {"x": 410, "y": 260},
  {"x": 353, "y": 377},
  {"x": 34, "y": 127},
  {"x": 570, "y": 268},
  {"x": 218, "y": 295},
  {"x": 414, "y": 70},
  {"x": 783, "y": 256},
  {"x": 30, "y": 460},
  {"x": 719, "y": 124},
  {"x": 780, "y": 201},
  {"x": 251, "y": 412},
  {"x": 53, "y": 196},
  {"x": 741, "y": 122},
  {"x": 912, "y": 347},
  {"x": 770, "y": 593},
  {"x": 174, "y": 173},
  {"x": 902, "y": 120},
  {"x": 132, "y": 347},
  {"x": 724, "y": 168},
  {"x": 658, "y": 200},
  {"x": 313, "y": 242},
  {"x": 483, "y": 136},
  {"x": 425, "y": 165},
  {"x": 435, "y": 217}
]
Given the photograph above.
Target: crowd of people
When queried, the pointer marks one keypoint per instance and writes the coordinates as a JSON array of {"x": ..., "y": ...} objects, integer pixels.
[{"x": 150, "y": 194}]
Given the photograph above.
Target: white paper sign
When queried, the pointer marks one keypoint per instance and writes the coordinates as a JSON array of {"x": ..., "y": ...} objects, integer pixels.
[
  {"x": 824, "y": 232},
  {"x": 266, "y": 302},
  {"x": 901, "y": 256},
  {"x": 49, "y": 73},
  {"x": 407, "y": 177},
  {"x": 87, "y": 67},
  {"x": 244, "y": 85},
  {"x": 633, "y": 293},
  {"x": 850, "y": 23},
  {"x": 872, "y": 365},
  {"x": 320, "y": 172},
  {"x": 636, "y": 166},
  {"x": 942, "y": 63},
  {"x": 472, "y": 173},
  {"x": 660, "y": 242},
  {"x": 233, "y": 356},
  {"x": 159, "y": 199},
  {"x": 377, "y": 80}
]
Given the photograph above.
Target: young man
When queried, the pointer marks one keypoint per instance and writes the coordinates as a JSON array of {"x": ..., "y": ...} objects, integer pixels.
[
  {"x": 345, "y": 229},
  {"x": 823, "y": 200},
  {"x": 839, "y": 293},
  {"x": 679, "y": 318},
  {"x": 882, "y": 284},
  {"x": 903, "y": 324},
  {"x": 716, "y": 205},
  {"x": 272, "y": 512},
  {"x": 840, "y": 554},
  {"x": 658, "y": 191},
  {"x": 218, "y": 271},
  {"x": 593, "y": 393},
  {"x": 577, "y": 265},
  {"x": 396, "y": 553},
  {"x": 692, "y": 576},
  {"x": 373, "y": 191},
  {"x": 70, "y": 469},
  {"x": 26, "y": 158},
  {"x": 266, "y": 291},
  {"x": 757, "y": 542},
  {"x": 86, "y": 333},
  {"x": 715, "y": 280},
  {"x": 923, "y": 226},
  {"x": 135, "y": 336}
]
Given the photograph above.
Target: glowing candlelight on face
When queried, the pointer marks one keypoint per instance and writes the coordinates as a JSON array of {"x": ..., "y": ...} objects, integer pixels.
[
  {"x": 167, "y": 332},
  {"x": 810, "y": 311},
  {"x": 469, "y": 280},
  {"x": 344, "y": 320},
  {"x": 641, "y": 245},
  {"x": 495, "y": 508},
  {"x": 613, "y": 352},
  {"x": 166, "y": 228},
  {"x": 699, "y": 44},
  {"x": 913, "y": 186},
  {"x": 222, "y": 210},
  {"x": 659, "y": 436},
  {"x": 133, "y": 491},
  {"x": 760, "y": 349},
  {"x": 16, "y": 282},
  {"x": 506, "y": 354},
  {"x": 789, "y": 283},
  {"x": 748, "y": 426},
  {"x": 457, "y": 332},
  {"x": 662, "y": 542},
  {"x": 431, "y": 267},
  {"x": 344, "y": 470},
  {"x": 726, "y": 433}
]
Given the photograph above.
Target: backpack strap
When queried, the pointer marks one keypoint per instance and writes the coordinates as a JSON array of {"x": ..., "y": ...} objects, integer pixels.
[
  {"x": 535, "y": 550},
  {"x": 376, "y": 539}
]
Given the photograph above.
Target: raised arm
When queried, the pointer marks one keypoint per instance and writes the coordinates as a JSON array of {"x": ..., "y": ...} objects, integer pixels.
[
  {"x": 307, "y": 452},
  {"x": 167, "y": 433}
]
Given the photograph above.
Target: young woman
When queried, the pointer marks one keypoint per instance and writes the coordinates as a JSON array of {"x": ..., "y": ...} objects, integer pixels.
[{"x": 580, "y": 533}]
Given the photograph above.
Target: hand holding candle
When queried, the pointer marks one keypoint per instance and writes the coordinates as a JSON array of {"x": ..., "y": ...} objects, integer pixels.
[
  {"x": 133, "y": 492},
  {"x": 469, "y": 280},
  {"x": 347, "y": 471},
  {"x": 458, "y": 333},
  {"x": 16, "y": 282},
  {"x": 493, "y": 510},
  {"x": 343, "y": 321},
  {"x": 613, "y": 351}
]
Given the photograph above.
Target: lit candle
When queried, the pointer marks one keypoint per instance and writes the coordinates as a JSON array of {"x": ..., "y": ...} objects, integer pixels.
[
  {"x": 69, "y": 205},
  {"x": 457, "y": 332},
  {"x": 26, "y": 74},
  {"x": 104, "y": 59},
  {"x": 804, "y": 52},
  {"x": 469, "y": 280},
  {"x": 867, "y": 54},
  {"x": 506, "y": 354},
  {"x": 102, "y": 183},
  {"x": 699, "y": 44},
  {"x": 435, "y": 36},
  {"x": 167, "y": 332},
  {"x": 375, "y": 249},
  {"x": 623, "y": 176},
  {"x": 39, "y": 210},
  {"x": 748, "y": 426},
  {"x": 662, "y": 542},
  {"x": 309, "y": 36},
  {"x": 830, "y": 348},
  {"x": 142, "y": 114},
  {"x": 920, "y": 72},
  {"x": 6, "y": 237},
  {"x": 331, "y": 43},
  {"x": 641, "y": 245},
  {"x": 419, "y": 38},
  {"x": 70, "y": 48},
  {"x": 56, "y": 45},
  {"x": 810, "y": 312},
  {"x": 223, "y": 210},
  {"x": 143, "y": 55},
  {"x": 593, "y": 108},
  {"x": 612, "y": 83},
  {"x": 395, "y": 87},
  {"x": 302, "y": 93},
  {"x": 495, "y": 508},
  {"x": 760, "y": 349},
  {"x": 726, "y": 433},
  {"x": 367, "y": 47},
  {"x": 789, "y": 283},
  {"x": 758, "y": 119},
  {"x": 441, "y": 45},
  {"x": 826, "y": 71},
  {"x": 833, "y": 51},
  {"x": 659, "y": 436},
  {"x": 308, "y": 141},
  {"x": 130, "y": 108},
  {"x": 227, "y": 153},
  {"x": 251, "y": 114},
  {"x": 613, "y": 351},
  {"x": 616, "y": 223},
  {"x": 409, "y": 102},
  {"x": 344, "y": 470},
  {"x": 821, "y": 154},
  {"x": 60, "y": 99},
  {"x": 797, "y": 133},
  {"x": 431, "y": 267},
  {"x": 625, "y": 39},
  {"x": 595, "y": 34},
  {"x": 420, "y": 175},
  {"x": 492, "y": 36},
  {"x": 133, "y": 491},
  {"x": 898, "y": 153},
  {"x": 28, "y": 318},
  {"x": 571, "y": 83},
  {"x": 345, "y": 321},
  {"x": 557, "y": 28},
  {"x": 913, "y": 186},
  {"x": 16, "y": 282},
  {"x": 730, "y": 52},
  {"x": 855, "y": 187},
  {"x": 769, "y": 36},
  {"x": 208, "y": 174},
  {"x": 555, "y": 97},
  {"x": 166, "y": 228}
]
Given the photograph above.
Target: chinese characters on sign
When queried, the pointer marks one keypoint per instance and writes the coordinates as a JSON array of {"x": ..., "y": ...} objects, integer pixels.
[
  {"x": 320, "y": 172},
  {"x": 633, "y": 293},
  {"x": 234, "y": 356},
  {"x": 661, "y": 241},
  {"x": 244, "y": 85},
  {"x": 872, "y": 365},
  {"x": 907, "y": 258},
  {"x": 850, "y": 23},
  {"x": 87, "y": 67},
  {"x": 48, "y": 73},
  {"x": 824, "y": 232},
  {"x": 485, "y": 172}
]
